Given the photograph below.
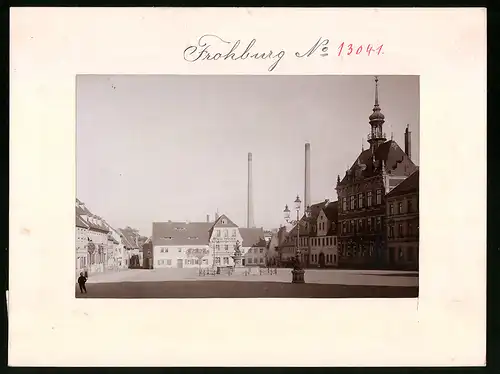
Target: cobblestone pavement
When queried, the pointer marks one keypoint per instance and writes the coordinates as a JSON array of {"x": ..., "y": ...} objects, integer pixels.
[{"x": 312, "y": 276}]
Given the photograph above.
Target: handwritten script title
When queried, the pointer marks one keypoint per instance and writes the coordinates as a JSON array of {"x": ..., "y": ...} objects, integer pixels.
[{"x": 213, "y": 48}]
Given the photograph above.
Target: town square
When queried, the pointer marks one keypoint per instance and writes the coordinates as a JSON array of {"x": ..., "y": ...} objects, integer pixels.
[{"x": 360, "y": 239}]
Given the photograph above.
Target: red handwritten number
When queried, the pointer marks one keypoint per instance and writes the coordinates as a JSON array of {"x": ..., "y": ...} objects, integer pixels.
[
  {"x": 349, "y": 47},
  {"x": 359, "y": 50},
  {"x": 341, "y": 47},
  {"x": 369, "y": 49},
  {"x": 379, "y": 49}
]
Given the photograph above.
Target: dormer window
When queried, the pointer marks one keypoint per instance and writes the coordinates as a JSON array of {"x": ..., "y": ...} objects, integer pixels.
[
  {"x": 223, "y": 221},
  {"x": 192, "y": 237},
  {"x": 180, "y": 228},
  {"x": 167, "y": 238}
]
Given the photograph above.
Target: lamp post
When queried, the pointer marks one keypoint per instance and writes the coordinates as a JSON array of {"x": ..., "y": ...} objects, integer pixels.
[{"x": 297, "y": 271}]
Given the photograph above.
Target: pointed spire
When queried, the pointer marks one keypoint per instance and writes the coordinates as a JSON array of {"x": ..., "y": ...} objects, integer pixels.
[
  {"x": 338, "y": 178},
  {"x": 376, "y": 117}
]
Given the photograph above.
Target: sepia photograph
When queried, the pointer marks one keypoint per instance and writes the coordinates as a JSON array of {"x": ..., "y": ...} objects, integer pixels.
[{"x": 247, "y": 186}]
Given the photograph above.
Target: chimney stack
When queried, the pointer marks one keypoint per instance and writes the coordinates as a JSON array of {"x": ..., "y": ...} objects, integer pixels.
[
  {"x": 208, "y": 218},
  {"x": 307, "y": 176},
  {"x": 408, "y": 141},
  {"x": 250, "y": 222}
]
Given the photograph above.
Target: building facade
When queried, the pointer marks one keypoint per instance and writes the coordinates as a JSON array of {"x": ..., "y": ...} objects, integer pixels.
[
  {"x": 205, "y": 244},
  {"x": 254, "y": 247},
  {"x": 323, "y": 237},
  {"x": 403, "y": 224},
  {"x": 362, "y": 194},
  {"x": 93, "y": 238}
]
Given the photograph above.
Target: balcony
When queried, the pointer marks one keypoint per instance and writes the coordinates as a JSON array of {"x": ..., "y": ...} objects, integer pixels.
[{"x": 376, "y": 135}]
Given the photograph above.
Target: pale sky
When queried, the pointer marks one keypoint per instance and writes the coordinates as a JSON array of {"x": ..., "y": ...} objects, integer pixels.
[{"x": 158, "y": 148}]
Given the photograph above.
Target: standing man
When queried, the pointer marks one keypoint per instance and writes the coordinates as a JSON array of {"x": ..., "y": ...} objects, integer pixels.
[{"x": 81, "y": 282}]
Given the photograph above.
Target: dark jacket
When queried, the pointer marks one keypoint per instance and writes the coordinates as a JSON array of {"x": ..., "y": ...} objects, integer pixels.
[{"x": 82, "y": 279}]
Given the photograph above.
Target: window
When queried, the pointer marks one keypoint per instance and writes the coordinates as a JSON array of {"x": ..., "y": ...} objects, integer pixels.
[
  {"x": 360, "y": 225},
  {"x": 261, "y": 250},
  {"x": 400, "y": 253},
  {"x": 160, "y": 262},
  {"x": 249, "y": 260},
  {"x": 391, "y": 209},
  {"x": 391, "y": 231},
  {"x": 400, "y": 208},
  {"x": 217, "y": 260},
  {"x": 217, "y": 247},
  {"x": 334, "y": 240},
  {"x": 379, "y": 197},
  {"x": 360, "y": 200},
  {"x": 180, "y": 249},
  {"x": 344, "y": 204},
  {"x": 217, "y": 233},
  {"x": 410, "y": 229},
  {"x": 322, "y": 242},
  {"x": 226, "y": 260},
  {"x": 369, "y": 198},
  {"x": 225, "y": 234},
  {"x": 226, "y": 247},
  {"x": 169, "y": 262},
  {"x": 409, "y": 206},
  {"x": 353, "y": 199},
  {"x": 234, "y": 233},
  {"x": 400, "y": 230},
  {"x": 344, "y": 227},
  {"x": 379, "y": 223},
  {"x": 261, "y": 260}
]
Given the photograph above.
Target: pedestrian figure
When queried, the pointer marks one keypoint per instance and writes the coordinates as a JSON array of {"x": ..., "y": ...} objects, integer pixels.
[{"x": 81, "y": 282}]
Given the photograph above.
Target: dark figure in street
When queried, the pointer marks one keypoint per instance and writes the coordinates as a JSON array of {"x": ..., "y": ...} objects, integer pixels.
[{"x": 81, "y": 282}]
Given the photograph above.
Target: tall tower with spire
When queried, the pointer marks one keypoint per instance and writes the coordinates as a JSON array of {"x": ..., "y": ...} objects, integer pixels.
[{"x": 377, "y": 119}]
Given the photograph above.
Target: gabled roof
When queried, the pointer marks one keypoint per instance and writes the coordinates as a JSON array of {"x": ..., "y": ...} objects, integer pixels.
[
  {"x": 396, "y": 162},
  {"x": 253, "y": 237},
  {"x": 302, "y": 227},
  {"x": 331, "y": 211},
  {"x": 221, "y": 222},
  {"x": 181, "y": 233},
  {"x": 80, "y": 222},
  {"x": 409, "y": 185}
]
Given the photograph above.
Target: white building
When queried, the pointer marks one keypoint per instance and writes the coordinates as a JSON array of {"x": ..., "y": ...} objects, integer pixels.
[
  {"x": 254, "y": 246},
  {"x": 82, "y": 235},
  {"x": 204, "y": 244}
]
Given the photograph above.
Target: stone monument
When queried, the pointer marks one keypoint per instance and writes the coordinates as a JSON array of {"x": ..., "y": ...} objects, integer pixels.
[{"x": 237, "y": 258}]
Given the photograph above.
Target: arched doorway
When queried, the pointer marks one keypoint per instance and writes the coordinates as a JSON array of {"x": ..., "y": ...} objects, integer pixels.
[{"x": 322, "y": 261}]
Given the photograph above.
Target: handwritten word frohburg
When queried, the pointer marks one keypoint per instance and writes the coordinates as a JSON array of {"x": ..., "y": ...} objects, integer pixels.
[{"x": 209, "y": 48}]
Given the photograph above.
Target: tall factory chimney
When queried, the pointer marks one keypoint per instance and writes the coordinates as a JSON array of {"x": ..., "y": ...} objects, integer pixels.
[
  {"x": 208, "y": 218},
  {"x": 307, "y": 176},
  {"x": 408, "y": 141},
  {"x": 250, "y": 223}
]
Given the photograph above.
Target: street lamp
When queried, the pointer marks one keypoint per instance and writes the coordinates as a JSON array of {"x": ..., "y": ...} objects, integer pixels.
[{"x": 297, "y": 271}]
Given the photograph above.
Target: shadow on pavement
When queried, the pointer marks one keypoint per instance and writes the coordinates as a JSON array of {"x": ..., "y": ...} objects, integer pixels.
[{"x": 239, "y": 289}]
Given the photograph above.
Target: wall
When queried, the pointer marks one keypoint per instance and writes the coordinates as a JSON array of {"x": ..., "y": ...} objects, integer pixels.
[
  {"x": 168, "y": 256},
  {"x": 403, "y": 231},
  {"x": 255, "y": 256}
]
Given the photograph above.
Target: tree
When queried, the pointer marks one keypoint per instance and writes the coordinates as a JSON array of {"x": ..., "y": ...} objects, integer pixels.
[{"x": 198, "y": 253}]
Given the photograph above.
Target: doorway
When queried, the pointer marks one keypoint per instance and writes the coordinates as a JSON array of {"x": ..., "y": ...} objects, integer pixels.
[{"x": 321, "y": 261}]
